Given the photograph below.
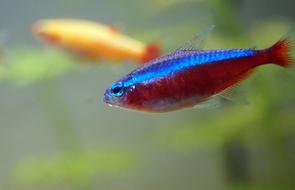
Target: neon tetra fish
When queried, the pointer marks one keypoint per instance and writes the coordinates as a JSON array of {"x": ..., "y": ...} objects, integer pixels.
[
  {"x": 93, "y": 40},
  {"x": 187, "y": 77}
]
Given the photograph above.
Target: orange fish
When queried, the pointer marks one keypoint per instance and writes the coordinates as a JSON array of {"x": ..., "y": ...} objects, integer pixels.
[{"x": 93, "y": 40}]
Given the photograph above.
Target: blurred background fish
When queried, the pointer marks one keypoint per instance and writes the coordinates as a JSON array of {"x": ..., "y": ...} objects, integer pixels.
[{"x": 94, "y": 41}]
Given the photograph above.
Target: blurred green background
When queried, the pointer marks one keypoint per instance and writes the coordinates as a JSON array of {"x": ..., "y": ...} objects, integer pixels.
[{"x": 56, "y": 132}]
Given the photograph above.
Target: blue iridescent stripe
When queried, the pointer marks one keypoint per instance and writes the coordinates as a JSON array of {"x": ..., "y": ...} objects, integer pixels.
[{"x": 183, "y": 60}]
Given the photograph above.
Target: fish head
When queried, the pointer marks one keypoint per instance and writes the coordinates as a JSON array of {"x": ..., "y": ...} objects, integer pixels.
[
  {"x": 125, "y": 94},
  {"x": 47, "y": 31},
  {"x": 114, "y": 95}
]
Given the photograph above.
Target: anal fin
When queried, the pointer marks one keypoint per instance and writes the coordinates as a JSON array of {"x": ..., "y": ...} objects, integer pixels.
[{"x": 235, "y": 94}]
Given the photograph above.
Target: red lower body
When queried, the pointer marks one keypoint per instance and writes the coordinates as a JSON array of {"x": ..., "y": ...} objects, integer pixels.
[{"x": 188, "y": 87}]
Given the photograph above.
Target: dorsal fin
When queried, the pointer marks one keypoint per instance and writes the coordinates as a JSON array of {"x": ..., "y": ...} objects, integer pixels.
[{"x": 197, "y": 42}]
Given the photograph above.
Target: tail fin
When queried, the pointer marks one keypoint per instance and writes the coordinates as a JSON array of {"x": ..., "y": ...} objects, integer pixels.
[
  {"x": 152, "y": 52},
  {"x": 281, "y": 52}
]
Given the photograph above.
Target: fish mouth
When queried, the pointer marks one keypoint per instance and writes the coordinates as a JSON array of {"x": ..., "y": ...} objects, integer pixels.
[{"x": 108, "y": 98}]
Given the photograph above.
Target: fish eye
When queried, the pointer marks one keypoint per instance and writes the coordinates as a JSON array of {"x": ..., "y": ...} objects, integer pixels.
[{"x": 117, "y": 89}]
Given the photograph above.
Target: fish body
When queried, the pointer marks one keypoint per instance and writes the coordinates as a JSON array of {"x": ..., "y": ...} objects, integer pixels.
[
  {"x": 94, "y": 40},
  {"x": 185, "y": 78}
]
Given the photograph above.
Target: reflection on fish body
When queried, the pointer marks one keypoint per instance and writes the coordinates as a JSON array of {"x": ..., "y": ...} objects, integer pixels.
[
  {"x": 93, "y": 40},
  {"x": 187, "y": 77}
]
